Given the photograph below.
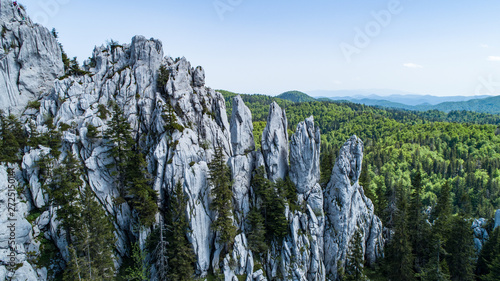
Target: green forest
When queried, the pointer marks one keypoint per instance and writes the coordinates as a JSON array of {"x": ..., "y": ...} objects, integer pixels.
[{"x": 427, "y": 173}]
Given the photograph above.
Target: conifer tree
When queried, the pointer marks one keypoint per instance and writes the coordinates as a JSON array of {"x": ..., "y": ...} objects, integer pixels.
[
  {"x": 64, "y": 193},
  {"x": 132, "y": 177},
  {"x": 180, "y": 252},
  {"x": 461, "y": 250},
  {"x": 437, "y": 268},
  {"x": 257, "y": 232},
  {"x": 494, "y": 268},
  {"x": 489, "y": 252},
  {"x": 355, "y": 259},
  {"x": 92, "y": 251},
  {"x": 160, "y": 253},
  {"x": 222, "y": 204},
  {"x": 139, "y": 270},
  {"x": 142, "y": 196},
  {"x": 399, "y": 253},
  {"x": 120, "y": 135},
  {"x": 12, "y": 138},
  {"x": 419, "y": 230},
  {"x": 273, "y": 205},
  {"x": 74, "y": 268}
]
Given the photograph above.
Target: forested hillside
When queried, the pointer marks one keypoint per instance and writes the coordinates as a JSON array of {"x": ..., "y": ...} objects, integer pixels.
[{"x": 439, "y": 164}]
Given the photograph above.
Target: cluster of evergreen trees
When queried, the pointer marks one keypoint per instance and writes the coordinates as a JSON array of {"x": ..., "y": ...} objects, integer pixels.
[{"x": 12, "y": 138}]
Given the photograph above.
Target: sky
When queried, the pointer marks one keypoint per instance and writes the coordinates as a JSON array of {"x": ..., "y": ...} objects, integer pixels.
[{"x": 443, "y": 48}]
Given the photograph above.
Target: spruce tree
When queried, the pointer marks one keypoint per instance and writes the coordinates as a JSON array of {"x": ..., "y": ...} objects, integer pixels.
[
  {"x": 180, "y": 252},
  {"x": 419, "y": 230},
  {"x": 74, "y": 267},
  {"x": 92, "y": 251},
  {"x": 120, "y": 136},
  {"x": 257, "y": 232},
  {"x": 140, "y": 193},
  {"x": 399, "y": 252},
  {"x": 139, "y": 270},
  {"x": 273, "y": 204},
  {"x": 494, "y": 268},
  {"x": 96, "y": 237},
  {"x": 160, "y": 253},
  {"x": 64, "y": 193},
  {"x": 461, "y": 250},
  {"x": 437, "y": 268},
  {"x": 222, "y": 204},
  {"x": 132, "y": 177},
  {"x": 355, "y": 259},
  {"x": 489, "y": 252},
  {"x": 12, "y": 138}
]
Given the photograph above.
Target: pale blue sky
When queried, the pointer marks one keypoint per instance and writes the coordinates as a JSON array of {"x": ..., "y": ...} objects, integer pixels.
[{"x": 255, "y": 46}]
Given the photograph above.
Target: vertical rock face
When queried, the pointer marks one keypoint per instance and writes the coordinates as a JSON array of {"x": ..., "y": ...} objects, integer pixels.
[
  {"x": 241, "y": 128},
  {"x": 480, "y": 234},
  {"x": 348, "y": 210},
  {"x": 30, "y": 60},
  {"x": 305, "y": 243},
  {"x": 320, "y": 224},
  {"x": 275, "y": 143},
  {"x": 304, "y": 156},
  {"x": 242, "y": 163}
]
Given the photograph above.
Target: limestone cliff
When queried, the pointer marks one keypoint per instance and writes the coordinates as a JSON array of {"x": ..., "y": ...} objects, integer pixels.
[{"x": 319, "y": 230}]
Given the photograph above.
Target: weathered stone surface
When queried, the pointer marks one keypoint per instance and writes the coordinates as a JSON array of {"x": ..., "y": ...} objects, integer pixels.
[
  {"x": 25, "y": 273},
  {"x": 348, "y": 210},
  {"x": 275, "y": 143},
  {"x": 304, "y": 156},
  {"x": 241, "y": 128},
  {"x": 480, "y": 234},
  {"x": 126, "y": 75},
  {"x": 31, "y": 63}
]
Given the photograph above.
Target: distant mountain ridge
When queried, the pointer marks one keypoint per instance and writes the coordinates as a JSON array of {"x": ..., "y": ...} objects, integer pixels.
[{"x": 481, "y": 104}]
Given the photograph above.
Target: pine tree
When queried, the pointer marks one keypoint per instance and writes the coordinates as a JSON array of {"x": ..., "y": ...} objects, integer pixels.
[
  {"x": 437, "y": 268},
  {"x": 419, "y": 230},
  {"x": 273, "y": 204},
  {"x": 180, "y": 252},
  {"x": 494, "y": 268},
  {"x": 461, "y": 250},
  {"x": 489, "y": 252},
  {"x": 160, "y": 253},
  {"x": 74, "y": 268},
  {"x": 399, "y": 253},
  {"x": 257, "y": 232},
  {"x": 12, "y": 138},
  {"x": 132, "y": 177},
  {"x": 64, "y": 192},
  {"x": 95, "y": 239},
  {"x": 355, "y": 259},
  {"x": 139, "y": 270},
  {"x": 222, "y": 204},
  {"x": 161, "y": 81},
  {"x": 92, "y": 250},
  {"x": 120, "y": 136},
  {"x": 140, "y": 193}
]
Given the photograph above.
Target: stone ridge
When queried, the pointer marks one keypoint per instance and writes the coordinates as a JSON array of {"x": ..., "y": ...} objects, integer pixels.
[
  {"x": 320, "y": 226},
  {"x": 30, "y": 60}
]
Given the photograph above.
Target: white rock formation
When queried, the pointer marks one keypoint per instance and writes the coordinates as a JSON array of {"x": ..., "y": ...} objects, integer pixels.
[
  {"x": 481, "y": 235},
  {"x": 275, "y": 143},
  {"x": 30, "y": 60},
  {"x": 127, "y": 75},
  {"x": 348, "y": 210}
]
